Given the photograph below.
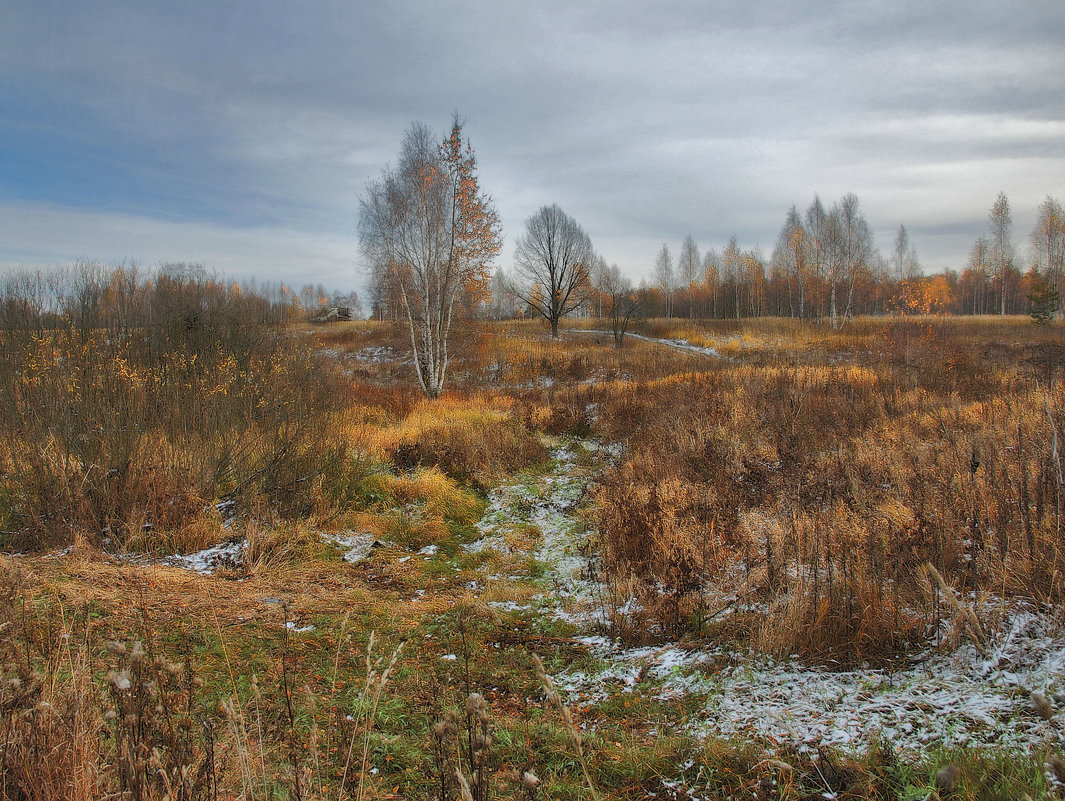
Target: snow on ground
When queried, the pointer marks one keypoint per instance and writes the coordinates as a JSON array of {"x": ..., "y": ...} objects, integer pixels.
[
  {"x": 231, "y": 554},
  {"x": 678, "y": 344},
  {"x": 357, "y": 546},
  {"x": 549, "y": 503},
  {"x": 382, "y": 354},
  {"x": 207, "y": 561},
  {"x": 963, "y": 698},
  {"x": 959, "y": 699}
]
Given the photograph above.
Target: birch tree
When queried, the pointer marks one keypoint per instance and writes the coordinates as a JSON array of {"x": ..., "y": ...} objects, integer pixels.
[
  {"x": 599, "y": 276},
  {"x": 664, "y": 278},
  {"x": 856, "y": 248},
  {"x": 979, "y": 269},
  {"x": 712, "y": 278},
  {"x": 789, "y": 257},
  {"x": 1048, "y": 242},
  {"x": 688, "y": 267},
  {"x": 1000, "y": 221},
  {"x": 818, "y": 235},
  {"x": 732, "y": 271},
  {"x": 904, "y": 263},
  {"x": 429, "y": 231}
]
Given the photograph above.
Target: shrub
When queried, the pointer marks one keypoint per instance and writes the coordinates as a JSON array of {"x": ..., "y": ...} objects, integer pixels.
[{"x": 130, "y": 404}]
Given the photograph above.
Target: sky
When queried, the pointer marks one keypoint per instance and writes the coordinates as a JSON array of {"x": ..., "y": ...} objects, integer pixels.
[{"x": 240, "y": 134}]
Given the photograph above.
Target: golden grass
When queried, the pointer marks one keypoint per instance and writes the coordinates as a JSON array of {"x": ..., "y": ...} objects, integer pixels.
[
  {"x": 811, "y": 476},
  {"x": 476, "y": 439},
  {"x": 827, "y": 482}
]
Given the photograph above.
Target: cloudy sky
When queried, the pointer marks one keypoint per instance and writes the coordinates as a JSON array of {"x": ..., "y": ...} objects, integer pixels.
[{"x": 241, "y": 133}]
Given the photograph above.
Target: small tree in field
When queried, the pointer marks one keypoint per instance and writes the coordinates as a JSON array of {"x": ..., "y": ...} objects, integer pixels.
[
  {"x": 553, "y": 262},
  {"x": 1044, "y": 299},
  {"x": 624, "y": 303},
  {"x": 430, "y": 234}
]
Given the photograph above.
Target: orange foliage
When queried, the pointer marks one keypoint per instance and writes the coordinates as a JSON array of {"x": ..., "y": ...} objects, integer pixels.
[
  {"x": 928, "y": 295},
  {"x": 478, "y": 235}
]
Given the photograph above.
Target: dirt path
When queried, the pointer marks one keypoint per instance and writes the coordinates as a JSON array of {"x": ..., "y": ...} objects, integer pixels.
[{"x": 676, "y": 344}]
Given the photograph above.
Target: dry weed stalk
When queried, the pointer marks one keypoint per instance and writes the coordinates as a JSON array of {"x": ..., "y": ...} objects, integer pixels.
[
  {"x": 369, "y": 700},
  {"x": 828, "y": 482},
  {"x": 464, "y": 786},
  {"x": 571, "y": 727},
  {"x": 969, "y": 621}
]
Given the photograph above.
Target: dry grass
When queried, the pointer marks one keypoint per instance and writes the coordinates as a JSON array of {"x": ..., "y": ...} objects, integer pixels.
[
  {"x": 825, "y": 486},
  {"x": 815, "y": 483},
  {"x": 476, "y": 440},
  {"x": 130, "y": 406}
]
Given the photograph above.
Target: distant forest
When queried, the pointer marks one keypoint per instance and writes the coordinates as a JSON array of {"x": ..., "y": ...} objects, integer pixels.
[{"x": 824, "y": 266}]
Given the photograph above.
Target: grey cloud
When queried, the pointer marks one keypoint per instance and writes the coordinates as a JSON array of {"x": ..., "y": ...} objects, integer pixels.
[{"x": 645, "y": 121}]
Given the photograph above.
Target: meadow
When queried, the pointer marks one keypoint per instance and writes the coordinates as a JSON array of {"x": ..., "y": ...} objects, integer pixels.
[{"x": 571, "y": 576}]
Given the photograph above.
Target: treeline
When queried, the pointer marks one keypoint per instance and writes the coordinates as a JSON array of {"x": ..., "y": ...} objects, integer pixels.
[
  {"x": 826, "y": 266},
  {"x": 44, "y": 298}
]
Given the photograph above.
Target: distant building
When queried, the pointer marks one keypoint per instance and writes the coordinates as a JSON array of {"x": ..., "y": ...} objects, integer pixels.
[{"x": 333, "y": 315}]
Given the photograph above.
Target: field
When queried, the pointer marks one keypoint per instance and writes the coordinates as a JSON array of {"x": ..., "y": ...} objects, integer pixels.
[{"x": 754, "y": 559}]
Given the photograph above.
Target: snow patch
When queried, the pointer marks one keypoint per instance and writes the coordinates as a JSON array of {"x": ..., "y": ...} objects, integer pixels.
[
  {"x": 970, "y": 697},
  {"x": 382, "y": 354},
  {"x": 358, "y": 546},
  {"x": 549, "y": 503},
  {"x": 206, "y": 562},
  {"x": 959, "y": 699},
  {"x": 677, "y": 344},
  {"x": 964, "y": 698}
]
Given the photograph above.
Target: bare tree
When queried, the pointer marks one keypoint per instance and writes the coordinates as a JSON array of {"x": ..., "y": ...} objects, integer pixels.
[
  {"x": 818, "y": 234},
  {"x": 664, "y": 278},
  {"x": 429, "y": 232},
  {"x": 1048, "y": 242},
  {"x": 839, "y": 247},
  {"x": 1000, "y": 221},
  {"x": 980, "y": 267},
  {"x": 623, "y": 301},
  {"x": 856, "y": 247},
  {"x": 599, "y": 276},
  {"x": 732, "y": 272},
  {"x": 789, "y": 257},
  {"x": 712, "y": 277},
  {"x": 503, "y": 304},
  {"x": 553, "y": 260},
  {"x": 688, "y": 267},
  {"x": 904, "y": 263}
]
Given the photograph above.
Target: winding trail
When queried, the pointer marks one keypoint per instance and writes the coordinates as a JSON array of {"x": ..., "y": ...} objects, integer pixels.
[
  {"x": 962, "y": 698},
  {"x": 676, "y": 344}
]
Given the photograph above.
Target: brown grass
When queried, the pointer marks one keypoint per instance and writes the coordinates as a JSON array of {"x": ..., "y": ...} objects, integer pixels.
[
  {"x": 832, "y": 494},
  {"x": 827, "y": 485},
  {"x": 129, "y": 406}
]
